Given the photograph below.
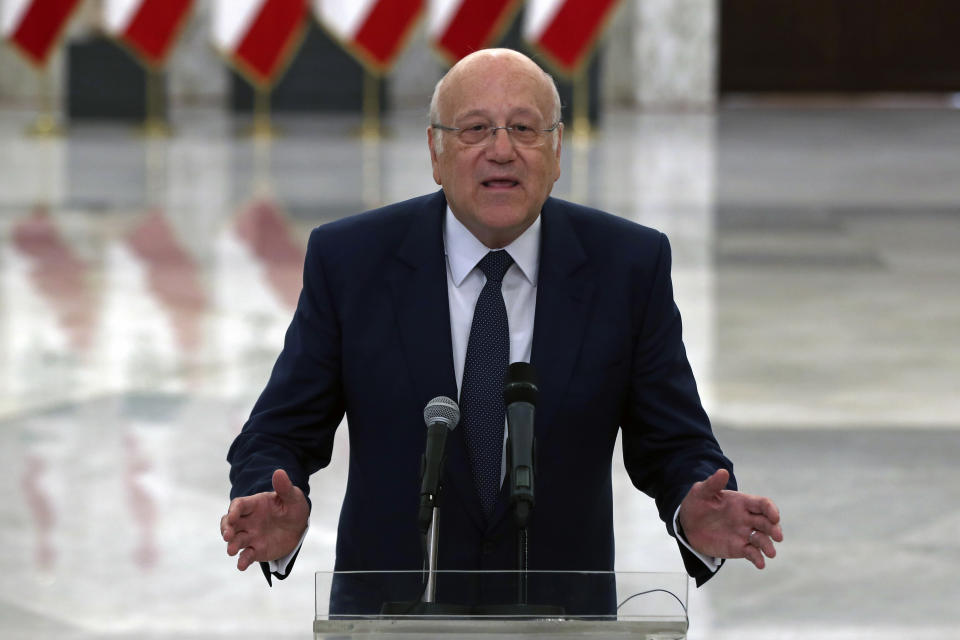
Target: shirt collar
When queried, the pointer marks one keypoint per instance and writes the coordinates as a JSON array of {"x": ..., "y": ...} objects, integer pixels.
[{"x": 464, "y": 251}]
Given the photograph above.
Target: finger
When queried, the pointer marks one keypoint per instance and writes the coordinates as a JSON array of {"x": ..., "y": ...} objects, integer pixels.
[
  {"x": 716, "y": 483},
  {"x": 763, "y": 542},
  {"x": 761, "y": 524},
  {"x": 239, "y": 508},
  {"x": 763, "y": 506},
  {"x": 753, "y": 554},
  {"x": 775, "y": 533},
  {"x": 230, "y": 531},
  {"x": 282, "y": 485},
  {"x": 226, "y": 531},
  {"x": 246, "y": 558},
  {"x": 239, "y": 541}
]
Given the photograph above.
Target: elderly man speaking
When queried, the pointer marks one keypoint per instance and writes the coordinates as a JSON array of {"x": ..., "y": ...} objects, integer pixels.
[{"x": 435, "y": 296}]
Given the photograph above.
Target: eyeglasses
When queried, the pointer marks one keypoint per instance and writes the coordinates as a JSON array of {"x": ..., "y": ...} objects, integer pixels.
[{"x": 523, "y": 135}]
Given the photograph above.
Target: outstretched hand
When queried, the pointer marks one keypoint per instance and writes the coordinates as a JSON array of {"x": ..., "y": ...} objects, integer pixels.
[
  {"x": 265, "y": 526},
  {"x": 730, "y": 524}
]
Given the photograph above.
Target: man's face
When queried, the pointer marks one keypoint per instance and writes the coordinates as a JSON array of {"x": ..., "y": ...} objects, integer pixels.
[{"x": 496, "y": 189}]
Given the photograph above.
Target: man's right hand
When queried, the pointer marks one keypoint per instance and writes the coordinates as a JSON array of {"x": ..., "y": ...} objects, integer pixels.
[{"x": 265, "y": 526}]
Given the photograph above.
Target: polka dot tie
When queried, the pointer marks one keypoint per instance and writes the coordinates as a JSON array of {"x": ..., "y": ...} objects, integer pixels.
[{"x": 481, "y": 392}]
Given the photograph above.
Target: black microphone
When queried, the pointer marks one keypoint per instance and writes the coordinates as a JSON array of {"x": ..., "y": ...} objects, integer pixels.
[
  {"x": 520, "y": 396},
  {"x": 441, "y": 415}
]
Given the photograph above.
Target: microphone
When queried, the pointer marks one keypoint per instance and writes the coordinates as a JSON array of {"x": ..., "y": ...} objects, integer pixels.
[
  {"x": 520, "y": 396},
  {"x": 441, "y": 415}
]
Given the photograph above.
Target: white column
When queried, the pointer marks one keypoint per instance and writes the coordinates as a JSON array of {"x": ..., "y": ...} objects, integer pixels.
[{"x": 675, "y": 53}]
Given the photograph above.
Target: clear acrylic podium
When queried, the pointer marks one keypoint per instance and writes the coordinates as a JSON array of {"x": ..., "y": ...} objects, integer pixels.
[{"x": 484, "y": 604}]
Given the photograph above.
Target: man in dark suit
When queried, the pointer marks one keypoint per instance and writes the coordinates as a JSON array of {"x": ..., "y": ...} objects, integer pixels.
[{"x": 386, "y": 321}]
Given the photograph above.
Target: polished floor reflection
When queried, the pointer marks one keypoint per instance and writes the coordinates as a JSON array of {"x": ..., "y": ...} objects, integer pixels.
[{"x": 145, "y": 287}]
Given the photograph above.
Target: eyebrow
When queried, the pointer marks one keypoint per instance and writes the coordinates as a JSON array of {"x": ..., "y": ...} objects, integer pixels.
[{"x": 521, "y": 111}]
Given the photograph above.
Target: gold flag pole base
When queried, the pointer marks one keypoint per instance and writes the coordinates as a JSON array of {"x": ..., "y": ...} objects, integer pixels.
[
  {"x": 155, "y": 123},
  {"x": 262, "y": 128},
  {"x": 371, "y": 131},
  {"x": 371, "y": 126},
  {"x": 44, "y": 126},
  {"x": 155, "y": 128},
  {"x": 583, "y": 131}
]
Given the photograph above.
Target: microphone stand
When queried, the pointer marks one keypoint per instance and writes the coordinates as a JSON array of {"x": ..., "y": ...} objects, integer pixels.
[
  {"x": 522, "y": 564},
  {"x": 520, "y": 397},
  {"x": 441, "y": 416},
  {"x": 430, "y": 593},
  {"x": 427, "y": 605},
  {"x": 522, "y": 509}
]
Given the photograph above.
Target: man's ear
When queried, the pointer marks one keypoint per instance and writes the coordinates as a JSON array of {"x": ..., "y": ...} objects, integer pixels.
[{"x": 433, "y": 156}]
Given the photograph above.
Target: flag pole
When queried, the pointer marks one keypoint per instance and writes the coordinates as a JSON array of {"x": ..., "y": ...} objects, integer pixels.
[
  {"x": 370, "y": 128},
  {"x": 45, "y": 125},
  {"x": 263, "y": 133},
  {"x": 262, "y": 127},
  {"x": 371, "y": 134},
  {"x": 154, "y": 124},
  {"x": 156, "y": 149},
  {"x": 582, "y": 130},
  {"x": 582, "y": 135}
]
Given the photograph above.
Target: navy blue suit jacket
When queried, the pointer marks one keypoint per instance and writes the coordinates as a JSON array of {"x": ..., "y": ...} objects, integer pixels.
[{"x": 371, "y": 337}]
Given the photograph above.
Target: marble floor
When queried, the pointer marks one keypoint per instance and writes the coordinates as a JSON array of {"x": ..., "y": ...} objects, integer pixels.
[{"x": 145, "y": 286}]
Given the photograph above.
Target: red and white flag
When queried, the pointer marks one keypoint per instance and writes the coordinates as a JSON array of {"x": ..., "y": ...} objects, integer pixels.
[
  {"x": 148, "y": 27},
  {"x": 460, "y": 27},
  {"x": 258, "y": 36},
  {"x": 566, "y": 30},
  {"x": 372, "y": 30},
  {"x": 34, "y": 26}
]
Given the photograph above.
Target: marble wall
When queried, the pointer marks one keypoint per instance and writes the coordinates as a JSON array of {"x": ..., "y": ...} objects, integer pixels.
[{"x": 675, "y": 51}]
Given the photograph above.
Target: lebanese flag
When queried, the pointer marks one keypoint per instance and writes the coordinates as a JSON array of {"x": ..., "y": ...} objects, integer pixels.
[
  {"x": 148, "y": 27},
  {"x": 372, "y": 30},
  {"x": 34, "y": 26},
  {"x": 258, "y": 36},
  {"x": 460, "y": 27},
  {"x": 566, "y": 30}
]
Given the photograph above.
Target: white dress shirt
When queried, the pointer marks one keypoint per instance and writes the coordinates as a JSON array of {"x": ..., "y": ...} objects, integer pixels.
[{"x": 464, "y": 281}]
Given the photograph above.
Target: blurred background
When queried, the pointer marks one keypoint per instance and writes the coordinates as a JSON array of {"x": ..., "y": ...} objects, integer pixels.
[{"x": 162, "y": 163}]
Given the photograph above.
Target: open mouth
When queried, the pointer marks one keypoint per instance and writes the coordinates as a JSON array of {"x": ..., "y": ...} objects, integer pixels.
[{"x": 500, "y": 183}]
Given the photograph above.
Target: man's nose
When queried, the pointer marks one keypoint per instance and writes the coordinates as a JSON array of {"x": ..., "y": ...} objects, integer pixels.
[{"x": 500, "y": 148}]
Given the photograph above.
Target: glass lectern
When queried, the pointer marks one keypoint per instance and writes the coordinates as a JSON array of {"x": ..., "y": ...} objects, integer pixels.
[{"x": 486, "y": 604}]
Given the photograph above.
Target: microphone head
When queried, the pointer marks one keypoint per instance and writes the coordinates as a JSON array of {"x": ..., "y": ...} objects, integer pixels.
[
  {"x": 442, "y": 409},
  {"x": 520, "y": 383}
]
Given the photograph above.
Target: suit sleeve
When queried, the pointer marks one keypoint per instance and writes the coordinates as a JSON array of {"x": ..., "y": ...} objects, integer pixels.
[
  {"x": 668, "y": 443},
  {"x": 293, "y": 423}
]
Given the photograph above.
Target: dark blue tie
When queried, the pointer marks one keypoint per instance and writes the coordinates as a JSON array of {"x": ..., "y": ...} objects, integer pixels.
[{"x": 481, "y": 392}]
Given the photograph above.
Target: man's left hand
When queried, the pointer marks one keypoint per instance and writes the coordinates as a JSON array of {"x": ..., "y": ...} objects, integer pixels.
[{"x": 729, "y": 524}]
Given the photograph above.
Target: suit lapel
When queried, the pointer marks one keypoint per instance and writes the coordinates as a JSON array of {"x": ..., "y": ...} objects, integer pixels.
[
  {"x": 564, "y": 295},
  {"x": 418, "y": 285}
]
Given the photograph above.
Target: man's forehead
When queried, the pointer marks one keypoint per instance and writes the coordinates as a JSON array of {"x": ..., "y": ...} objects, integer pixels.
[
  {"x": 512, "y": 111},
  {"x": 514, "y": 91}
]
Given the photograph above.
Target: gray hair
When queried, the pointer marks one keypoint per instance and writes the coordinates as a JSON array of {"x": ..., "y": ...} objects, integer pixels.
[{"x": 434, "y": 114}]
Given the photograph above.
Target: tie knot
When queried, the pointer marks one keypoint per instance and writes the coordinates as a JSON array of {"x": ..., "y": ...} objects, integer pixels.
[{"x": 495, "y": 264}]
